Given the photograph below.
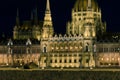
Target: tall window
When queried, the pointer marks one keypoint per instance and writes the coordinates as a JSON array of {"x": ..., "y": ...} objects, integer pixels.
[
  {"x": 70, "y": 32},
  {"x": 87, "y": 48},
  {"x": 70, "y": 61},
  {"x": 105, "y": 49},
  {"x": 65, "y": 61},
  {"x": 44, "y": 49}
]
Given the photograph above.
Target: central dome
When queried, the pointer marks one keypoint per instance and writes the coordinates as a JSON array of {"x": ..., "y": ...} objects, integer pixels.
[{"x": 83, "y": 5}]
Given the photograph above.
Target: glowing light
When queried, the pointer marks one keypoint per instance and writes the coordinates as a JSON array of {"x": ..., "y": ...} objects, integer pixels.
[
  {"x": 107, "y": 59},
  {"x": 71, "y": 47},
  {"x": 118, "y": 58},
  {"x": 101, "y": 58},
  {"x": 52, "y": 48},
  {"x": 76, "y": 47},
  {"x": 113, "y": 59},
  {"x": 7, "y": 64},
  {"x": 56, "y": 47},
  {"x": 38, "y": 37},
  {"x": 61, "y": 47},
  {"x": 66, "y": 47}
]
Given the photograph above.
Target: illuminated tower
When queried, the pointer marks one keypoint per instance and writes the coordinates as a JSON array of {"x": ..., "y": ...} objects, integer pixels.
[
  {"x": 36, "y": 29},
  {"x": 87, "y": 21},
  {"x": 47, "y": 24},
  {"x": 29, "y": 28},
  {"x": 86, "y": 13}
]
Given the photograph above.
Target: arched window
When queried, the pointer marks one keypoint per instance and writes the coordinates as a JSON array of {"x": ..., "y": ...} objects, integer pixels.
[
  {"x": 87, "y": 47},
  {"x": 44, "y": 48}
]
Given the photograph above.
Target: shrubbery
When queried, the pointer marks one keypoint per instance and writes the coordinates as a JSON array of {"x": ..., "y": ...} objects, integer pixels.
[{"x": 30, "y": 65}]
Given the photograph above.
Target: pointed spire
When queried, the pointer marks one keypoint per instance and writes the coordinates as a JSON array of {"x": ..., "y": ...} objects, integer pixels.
[
  {"x": 36, "y": 17},
  {"x": 47, "y": 24},
  {"x": 89, "y": 4},
  {"x": 17, "y": 18},
  {"x": 48, "y": 5},
  {"x": 31, "y": 16},
  {"x": 48, "y": 18},
  {"x": 17, "y": 12}
]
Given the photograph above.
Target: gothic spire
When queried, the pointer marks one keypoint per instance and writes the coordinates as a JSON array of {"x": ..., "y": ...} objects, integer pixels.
[
  {"x": 47, "y": 18},
  {"x": 36, "y": 17},
  {"x": 31, "y": 16},
  {"x": 89, "y": 4},
  {"x": 47, "y": 24},
  {"x": 17, "y": 18},
  {"x": 48, "y": 6}
]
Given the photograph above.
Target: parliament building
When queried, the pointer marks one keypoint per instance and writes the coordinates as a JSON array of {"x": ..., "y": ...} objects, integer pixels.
[{"x": 85, "y": 43}]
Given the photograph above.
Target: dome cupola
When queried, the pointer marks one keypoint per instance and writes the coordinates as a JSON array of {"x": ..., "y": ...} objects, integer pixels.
[{"x": 85, "y": 4}]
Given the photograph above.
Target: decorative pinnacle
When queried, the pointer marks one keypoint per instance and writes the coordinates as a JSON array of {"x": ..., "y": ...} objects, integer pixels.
[
  {"x": 17, "y": 18},
  {"x": 48, "y": 5},
  {"x": 89, "y": 3}
]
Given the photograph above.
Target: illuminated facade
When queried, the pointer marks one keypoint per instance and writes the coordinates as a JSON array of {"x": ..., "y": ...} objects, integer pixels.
[
  {"x": 83, "y": 44},
  {"x": 86, "y": 19}
]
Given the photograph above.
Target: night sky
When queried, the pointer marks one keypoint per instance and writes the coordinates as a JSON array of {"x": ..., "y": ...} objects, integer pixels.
[{"x": 61, "y": 13}]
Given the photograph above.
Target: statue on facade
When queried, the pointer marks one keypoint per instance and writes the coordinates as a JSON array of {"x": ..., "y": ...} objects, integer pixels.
[
  {"x": 28, "y": 45},
  {"x": 10, "y": 44}
]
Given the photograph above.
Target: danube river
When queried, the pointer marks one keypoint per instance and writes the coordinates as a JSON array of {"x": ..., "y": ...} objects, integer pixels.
[{"x": 59, "y": 74}]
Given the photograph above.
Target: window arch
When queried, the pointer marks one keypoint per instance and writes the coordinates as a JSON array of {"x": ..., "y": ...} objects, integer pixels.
[
  {"x": 87, "y": 47},
  {"x": 44, "y": 48}
]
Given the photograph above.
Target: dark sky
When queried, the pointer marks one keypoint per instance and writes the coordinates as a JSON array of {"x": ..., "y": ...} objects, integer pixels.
[{"x": 61, "y": 12}]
